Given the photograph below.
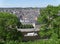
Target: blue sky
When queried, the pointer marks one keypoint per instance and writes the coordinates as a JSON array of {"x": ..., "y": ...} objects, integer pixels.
[{"x": 28, "y": 3}]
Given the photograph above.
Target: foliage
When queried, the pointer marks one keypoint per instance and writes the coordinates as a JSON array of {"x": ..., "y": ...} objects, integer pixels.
[
  {"x": 46, "y": 41},
  {"x": 50, "y": 27},
  {"x": 50, "y": 21},
  {"x": 8, "y": 30},
  {"x": 26, "y": 26}
]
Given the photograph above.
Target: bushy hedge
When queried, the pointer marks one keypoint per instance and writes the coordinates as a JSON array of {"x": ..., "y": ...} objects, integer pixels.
[
  {"x": 26, "y": 26},
  {"x": 46, "y": 41}
]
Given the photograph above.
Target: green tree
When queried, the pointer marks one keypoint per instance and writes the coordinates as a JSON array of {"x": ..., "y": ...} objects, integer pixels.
[
  {"x": 49, "y": 20},
  {"x": 8, "y": 24}
]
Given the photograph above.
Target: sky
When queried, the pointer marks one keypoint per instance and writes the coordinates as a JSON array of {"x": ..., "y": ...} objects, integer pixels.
[{"x": 28, "y": 3}]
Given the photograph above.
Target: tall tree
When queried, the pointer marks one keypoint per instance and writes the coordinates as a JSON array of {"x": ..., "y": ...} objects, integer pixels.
[
  {"x": 8, "y": 24},
  {"x": 49, "y": 20}
]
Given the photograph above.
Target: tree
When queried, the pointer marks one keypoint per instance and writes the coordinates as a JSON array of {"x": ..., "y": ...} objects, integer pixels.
[
  {"x": 8, "y": 24},
  {"x": 49, "y": 20}
]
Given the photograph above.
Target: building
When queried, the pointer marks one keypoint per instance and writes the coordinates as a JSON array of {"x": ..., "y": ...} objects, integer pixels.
[{"x": 26, "y": 16}]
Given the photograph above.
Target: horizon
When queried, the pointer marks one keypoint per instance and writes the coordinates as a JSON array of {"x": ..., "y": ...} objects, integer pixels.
[{"x": 22, "y": 7}]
